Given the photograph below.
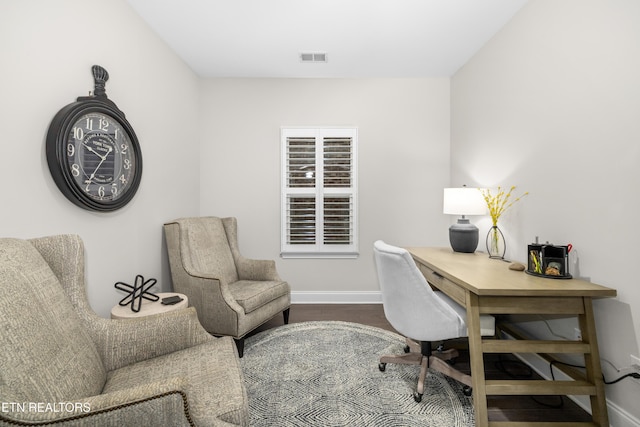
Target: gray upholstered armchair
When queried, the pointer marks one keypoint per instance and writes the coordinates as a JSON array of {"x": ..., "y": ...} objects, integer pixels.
[
  {"x": 233, "y": 295},
  {"x": 61, "y": 363}
]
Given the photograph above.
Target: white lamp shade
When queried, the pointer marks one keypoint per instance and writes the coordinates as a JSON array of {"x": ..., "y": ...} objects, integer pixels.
[{"x": 464, "y": 201}]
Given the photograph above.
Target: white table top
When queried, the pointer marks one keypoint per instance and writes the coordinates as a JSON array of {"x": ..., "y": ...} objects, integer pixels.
[{"x": 148, "y": 308}]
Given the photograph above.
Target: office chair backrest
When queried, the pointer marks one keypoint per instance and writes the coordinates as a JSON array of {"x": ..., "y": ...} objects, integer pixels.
[{"x": 410, "y": 305}]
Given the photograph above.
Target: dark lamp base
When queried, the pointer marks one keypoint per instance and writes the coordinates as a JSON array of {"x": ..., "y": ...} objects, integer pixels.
[{"x": 463, "y": 236}]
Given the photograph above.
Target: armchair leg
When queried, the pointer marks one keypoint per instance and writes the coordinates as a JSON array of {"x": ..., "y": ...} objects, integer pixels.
[
  {"x": 240, "y": 346},
  {"x": 285, "y": 314}
]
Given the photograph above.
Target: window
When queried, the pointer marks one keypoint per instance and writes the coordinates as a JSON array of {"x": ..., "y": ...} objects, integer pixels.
[{"x": 319, "y": 193}]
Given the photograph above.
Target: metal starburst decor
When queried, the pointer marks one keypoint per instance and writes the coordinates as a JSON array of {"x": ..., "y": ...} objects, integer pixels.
[{"x": 136, "y": 292}]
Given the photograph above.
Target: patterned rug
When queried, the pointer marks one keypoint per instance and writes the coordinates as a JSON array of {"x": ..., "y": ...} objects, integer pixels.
[{"x": 326, "y": 374}]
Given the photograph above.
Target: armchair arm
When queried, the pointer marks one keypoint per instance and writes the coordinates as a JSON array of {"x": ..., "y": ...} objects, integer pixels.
[
  {"x": 256, "y": 269},
  {"x": 160, "y": 403},
  {"x": 248, "y": 269},
  {"x": 123, "y": 342},
  {"x": 138, "y": 393}
]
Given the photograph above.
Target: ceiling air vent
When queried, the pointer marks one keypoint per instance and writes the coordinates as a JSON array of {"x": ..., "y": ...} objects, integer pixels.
[{"x": 313, "y": 57}]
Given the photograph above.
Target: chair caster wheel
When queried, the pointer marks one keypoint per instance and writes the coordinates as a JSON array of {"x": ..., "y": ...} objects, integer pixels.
[
  {"x": 407, "y": 349},
  {"x": 382, "y": 366},
  {"x": 467, "y": 391},
  {"x": 417, "y": 396}
]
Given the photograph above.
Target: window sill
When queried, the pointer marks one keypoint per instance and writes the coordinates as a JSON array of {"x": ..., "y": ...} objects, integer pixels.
[{"x": 319, "y": 255}]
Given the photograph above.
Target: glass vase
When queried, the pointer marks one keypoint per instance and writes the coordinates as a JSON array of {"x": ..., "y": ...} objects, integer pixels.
[{"x": 496, "y": 246}]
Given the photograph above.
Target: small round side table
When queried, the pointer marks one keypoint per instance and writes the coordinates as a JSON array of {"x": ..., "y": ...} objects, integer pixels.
[{"x": 148, "y": 308}]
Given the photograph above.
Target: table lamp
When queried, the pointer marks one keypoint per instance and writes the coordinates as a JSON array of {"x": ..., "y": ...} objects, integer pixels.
[{"x": 463, "y": 235}]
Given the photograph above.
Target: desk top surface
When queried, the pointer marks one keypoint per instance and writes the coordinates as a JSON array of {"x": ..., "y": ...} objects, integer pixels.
[{"x": 481, "y": 275}]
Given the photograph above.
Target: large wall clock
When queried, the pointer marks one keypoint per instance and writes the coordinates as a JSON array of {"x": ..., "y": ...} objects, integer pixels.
[{"x": 93, "y": 153}]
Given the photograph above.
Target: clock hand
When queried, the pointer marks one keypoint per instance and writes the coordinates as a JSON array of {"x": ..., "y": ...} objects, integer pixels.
[
  {"x": 92, "y": 150},
  {"x": 102, "y": 159},
  {"x": 97, "y": 167}
]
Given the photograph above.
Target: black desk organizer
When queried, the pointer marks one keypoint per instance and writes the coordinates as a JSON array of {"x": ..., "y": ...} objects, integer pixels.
[{"x": 548, "y": 261}]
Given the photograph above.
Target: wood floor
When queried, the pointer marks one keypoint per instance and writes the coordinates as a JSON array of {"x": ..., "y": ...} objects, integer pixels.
[{"x": 501, "y": 408}]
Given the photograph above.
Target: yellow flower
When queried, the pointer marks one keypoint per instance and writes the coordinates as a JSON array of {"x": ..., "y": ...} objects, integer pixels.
[{"x": 499, "y": 203}]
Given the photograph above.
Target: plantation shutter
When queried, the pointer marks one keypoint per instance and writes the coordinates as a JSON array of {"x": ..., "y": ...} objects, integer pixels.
[
  {"x": 300, "y": 206},
  {"x": 338, "y": 174},
  {"x": 319, "y": 193}
]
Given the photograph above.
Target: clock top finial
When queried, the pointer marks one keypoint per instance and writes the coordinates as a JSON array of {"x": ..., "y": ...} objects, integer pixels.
[{"x": 100, "y": 77}]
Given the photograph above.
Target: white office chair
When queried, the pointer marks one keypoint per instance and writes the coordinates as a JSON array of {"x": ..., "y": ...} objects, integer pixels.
[{"x": 421, "y": 314}]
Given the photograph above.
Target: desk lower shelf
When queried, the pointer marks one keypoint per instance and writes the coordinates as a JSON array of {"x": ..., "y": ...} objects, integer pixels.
[
  {"x": 534, "y": 346},
  {"x": 539, "y": 388}
]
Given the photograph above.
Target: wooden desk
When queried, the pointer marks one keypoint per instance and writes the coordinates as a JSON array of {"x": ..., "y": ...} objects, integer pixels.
[{"x": 487, "y": 286}]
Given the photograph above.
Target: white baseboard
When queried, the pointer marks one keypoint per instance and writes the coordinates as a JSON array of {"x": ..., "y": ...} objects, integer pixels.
[
  {"x": 320, "y": 297},
  {"x": 618, "y": 417}
]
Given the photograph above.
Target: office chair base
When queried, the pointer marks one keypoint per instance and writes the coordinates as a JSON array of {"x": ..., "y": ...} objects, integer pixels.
[
  {"x": 403, "y": 359},
  {"x": 449, "y": 355},
  {"x": 438, "y": 360}
]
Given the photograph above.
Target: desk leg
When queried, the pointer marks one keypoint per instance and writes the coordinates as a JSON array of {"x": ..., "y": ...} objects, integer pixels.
[
  {"x": 592, "y": 364},
  {"x": 476, "y": 359}
]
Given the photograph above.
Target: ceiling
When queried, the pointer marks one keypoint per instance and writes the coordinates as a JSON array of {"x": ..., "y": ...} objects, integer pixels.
[{"x": 361, "y": 38}]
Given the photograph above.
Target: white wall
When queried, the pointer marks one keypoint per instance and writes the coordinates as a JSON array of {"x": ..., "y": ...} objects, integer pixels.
[
  {"x": 48, "y": 49},
  {"x": 403, "y": 130},
  {"x": 551, "y": 105}
]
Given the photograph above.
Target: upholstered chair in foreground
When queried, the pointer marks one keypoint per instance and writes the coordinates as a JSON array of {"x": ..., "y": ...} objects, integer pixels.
[
  {"x": 421, "y": 314},
  {"x": 61, "y": 364},
  {"x": 233, "y": 295}
]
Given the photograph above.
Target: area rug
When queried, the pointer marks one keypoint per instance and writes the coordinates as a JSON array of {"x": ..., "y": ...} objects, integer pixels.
[{"x": 326, "y": 374}]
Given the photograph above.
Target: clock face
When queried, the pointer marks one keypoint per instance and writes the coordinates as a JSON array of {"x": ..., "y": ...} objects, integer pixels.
[
  {"x": 100, "y": 157},
  {"x": 94, "y": 156}
]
